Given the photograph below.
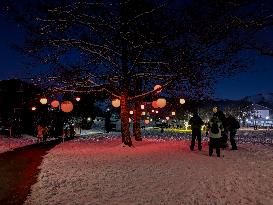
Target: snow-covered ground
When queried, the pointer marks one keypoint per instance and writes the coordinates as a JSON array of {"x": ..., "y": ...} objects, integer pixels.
[
  {"x": 10, "y": 143},
  {"x": 97, "y": 169}
]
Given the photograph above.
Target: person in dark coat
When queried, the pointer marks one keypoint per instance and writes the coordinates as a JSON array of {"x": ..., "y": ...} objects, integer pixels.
[
  {"x": 221, "y": 116},
  {"x": 72, "y": 131},
  {"x": 196, "y": 123},
  {"x": 232, "y": 126},
  {"x": 108, "y": 121},
  {"x": 215, "y": 127}
]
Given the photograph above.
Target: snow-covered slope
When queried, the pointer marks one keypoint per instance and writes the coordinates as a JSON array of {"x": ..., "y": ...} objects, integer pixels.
[{"x": 158, "y": 170}]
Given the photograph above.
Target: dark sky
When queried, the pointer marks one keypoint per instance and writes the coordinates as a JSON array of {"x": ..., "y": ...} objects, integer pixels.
[{"x": 259, "y": 78}]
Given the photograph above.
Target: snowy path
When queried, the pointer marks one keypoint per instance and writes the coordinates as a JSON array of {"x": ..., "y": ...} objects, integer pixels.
[
  {"x": 153, "y": 172},
  {"x": 18, "y": 171}
]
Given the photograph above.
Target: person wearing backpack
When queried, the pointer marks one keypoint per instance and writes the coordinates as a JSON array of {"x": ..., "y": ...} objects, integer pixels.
[
  {"x": 196, "y": 123},
  {"x": 232, "y": 126},
  {"x": 221, "y": 116},
  {"x": 215, "y": 127}
]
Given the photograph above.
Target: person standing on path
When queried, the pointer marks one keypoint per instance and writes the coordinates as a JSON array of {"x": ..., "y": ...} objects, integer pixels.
[
  {"x": 224, "y": 132},
  {"x": 232, "y": 126},
  {"x": 40, "y": 130},
  {"x": 196, "y": 123},
  {"x": 215, "y": 127}
]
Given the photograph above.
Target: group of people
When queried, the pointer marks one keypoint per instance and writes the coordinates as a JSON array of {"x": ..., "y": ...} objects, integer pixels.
[
  {"x": 219, "y": 128},
  {"x": 43, "y": 132}
]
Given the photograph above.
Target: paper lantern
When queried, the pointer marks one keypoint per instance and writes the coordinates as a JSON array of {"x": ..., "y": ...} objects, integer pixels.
[
  {"x": 167, "y": 118},
  {"x": 143, "y": 113},
  {"x": 116, "y": 102},
  {"x": 146, "y": 121},
  {"x": 66, "y": 106},
  {"x": 142, "y": 107},
  {"x": 33, "y": 108},
  {"x": 161, "y": 102},
  {"x": 182, "y": 101},
  {"x": 158, "y": 87},
  {"x": 55, "y": 103},
  {"x": 154, "y": 104},
  {"x": 131, "y": 112},
  {"x": 78, "y": 99},
  {"x": 173, "y": 113},
  {"x": 43, "y": 101}
]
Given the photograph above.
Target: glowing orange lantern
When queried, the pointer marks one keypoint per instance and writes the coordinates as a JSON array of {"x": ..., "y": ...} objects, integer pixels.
[
  {"x": 161, "y": 102},
  {"x": 43, "y": 101},
  {"x": 66, "y": 106},
  {"x": 146, "y": 121},
  {"x": 157, "y": 87},
  {"x": 55, "y": 103},
  {"x": 116, "y": 102},
  {"x": 154, "y": 104}
]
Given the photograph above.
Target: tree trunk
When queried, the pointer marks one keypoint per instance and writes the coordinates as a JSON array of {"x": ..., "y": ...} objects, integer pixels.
[
  {"x": 124, "y": 115},
  {"x": 137, "y": 118}
]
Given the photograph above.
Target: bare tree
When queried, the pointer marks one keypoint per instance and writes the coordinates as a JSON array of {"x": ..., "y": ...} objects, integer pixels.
[{"x": 126, "y": 47}]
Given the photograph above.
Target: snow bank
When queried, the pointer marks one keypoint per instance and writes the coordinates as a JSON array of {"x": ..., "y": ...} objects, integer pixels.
[
  {"x": 158, "y": 170},
  {"x": 10, "y": 143}
]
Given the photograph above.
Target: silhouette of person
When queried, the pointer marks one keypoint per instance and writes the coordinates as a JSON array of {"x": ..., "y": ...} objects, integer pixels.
[
  {"x": 232, "y": 126},
  {"x": 196, "y": 123}
]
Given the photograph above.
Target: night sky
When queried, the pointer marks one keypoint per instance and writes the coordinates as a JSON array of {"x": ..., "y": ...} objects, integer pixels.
[{"x": 258, "y": 78}]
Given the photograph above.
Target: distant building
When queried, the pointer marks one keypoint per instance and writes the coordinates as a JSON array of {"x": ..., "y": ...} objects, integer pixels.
[
  {"x": 259, "y": 116},
  {"x": 259, "y": 111}
]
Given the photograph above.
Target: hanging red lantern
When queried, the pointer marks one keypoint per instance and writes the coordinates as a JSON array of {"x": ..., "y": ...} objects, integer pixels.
[
  {"x": 55, "y": 103},
  {"x": 154, "y": 104},
  {"x": 66, "y": 106}
]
